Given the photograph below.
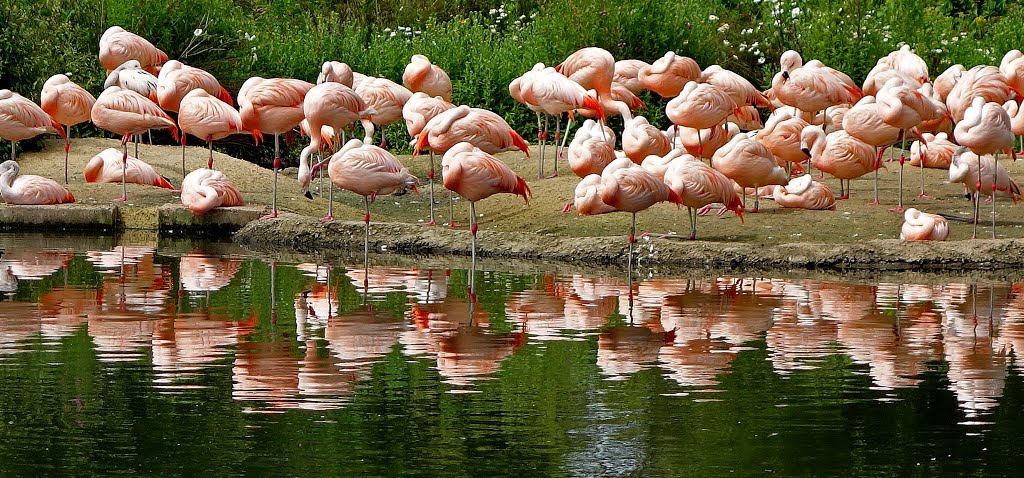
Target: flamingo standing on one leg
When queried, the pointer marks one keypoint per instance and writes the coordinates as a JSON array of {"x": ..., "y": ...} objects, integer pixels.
[
  {"x": 986, "y": 129},
  {"x": 30, "y": 189},
  {"x": 337, "y": 72},
  {"x": 699, "y": 185},
  {"x": 206, "y": 117},
  {"x": 932, "y": 151},
  {"x": 668, "y": 75},
  {"x": 118, "y": 46},
  {"x": 476, "y": 175},
  {"x": 128, "y": 113},
  {"x": 68, "y": 104},
  {"x": 368, "y": 171},
  {"x": 418, "y": 111},
  {"x": 387, "y": 98},
  {"x": 422, "y": 75},
  {"x": 21, "y": 119},
  {"x": 748, "y": 162},
  {"x": 864, "y": 122},
  {"x": 839, "y": 154},
  {"x": 272, "y": 106},
  {"x": 905, "y": 108},
  {"x": 628, "y": 187}
]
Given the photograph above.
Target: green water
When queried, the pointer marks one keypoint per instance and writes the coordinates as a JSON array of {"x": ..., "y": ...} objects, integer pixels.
[{"x": 133, "y": 361}]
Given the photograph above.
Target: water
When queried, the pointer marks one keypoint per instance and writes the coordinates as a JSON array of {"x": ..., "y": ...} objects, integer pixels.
[{"x": 128, "y": 360}]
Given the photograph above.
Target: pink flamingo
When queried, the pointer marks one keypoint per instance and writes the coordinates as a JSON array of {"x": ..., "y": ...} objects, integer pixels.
[
  {"x": 703, "y": 143},
  {"x": 932, "y": 151},
  {"x": 628, "y": 187},
  {"x": 337, "y": 72},
  {"x": 739, "y": 88},
  {"x": 805, "y": 193},
  {"x": 640, "y": 139},
  {"x": 30, "y": 189},
  {"x": 809, "y": 88},
  {"x": 368, "y": 171},
  {"x": 839, "y": 154},
  {"x": 21, "y": 119},
  {"x": 206, "y": 117},
  {"x": 1016, "y": 113},
  {"x": 335, "y": 106},
  {"x": 668, "y": 75},
  {"x": 864, "y": 122},
  {"x": 386, "y": 98},
  {"x": 272, "y": 106},
  {"x": 475, "y": 175},
  {"x": 627, "y": 73},
  {"x": 748, "y": 162},
  {"x": 945, "y": 82},
  {"x": 698, "y": 186},
  {"x": 904, "y": 107},
  {"x": 922, "y": 226},
  {"x": 984, "y": 81},
  {"x": 981, "y": 174},
  {"x": 132, "y": 76},
  {"x": 205, "y": 189},
  {"x": 589, "y": 152},
  {"x": 781, "y": 135},
  {"x": 128, "y": 113},
  {"x": 422, "y": 75},
  {"x": 587, "y": 198},
  {"x": 106, "y": 167},
  {"x": 177, "y": 79},
  {"x": 418, "y": 111},
  {"x": 118, "y": 46},
  {"x": 68, "y": 104},
  {"x": 986, "y": 129}
]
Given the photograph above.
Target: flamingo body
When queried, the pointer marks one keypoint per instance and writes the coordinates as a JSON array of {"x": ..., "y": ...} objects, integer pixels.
[
  {"x": 922, "y": 226},
  {"x": 106, "y": 167},
  {"x": 205, "y": 189},
  {"x": 30, "y": 189}
]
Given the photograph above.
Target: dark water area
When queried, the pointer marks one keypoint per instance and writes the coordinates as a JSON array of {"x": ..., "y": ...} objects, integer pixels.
[{"x": 134, "y": 360}]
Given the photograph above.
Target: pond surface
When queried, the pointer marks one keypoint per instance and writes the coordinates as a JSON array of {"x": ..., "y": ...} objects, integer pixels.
[{"x": 129, "y": 360}]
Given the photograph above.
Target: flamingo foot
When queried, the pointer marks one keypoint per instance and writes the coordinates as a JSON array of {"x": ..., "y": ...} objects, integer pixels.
[
  {"x": 553, "y": 175},
  {"x": 452, "y": 225},
  {"x": 897, "y": 209},
  {"x": 844, "y": 196},
  {"x": 693, "y": 236},
  {"x": 327, "y": 219},
  {"x": 704, "y": 210},
  {"x": 875, "y": 203},
  {"x": 272, "y": 215},
  {"x": 432, "y": 223},
  {"x": 120, "y": 199},
  {"x": 924, "y": 196}
]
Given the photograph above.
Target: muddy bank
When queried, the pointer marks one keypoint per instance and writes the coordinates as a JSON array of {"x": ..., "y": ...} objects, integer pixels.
[{"x": 345, "y": 238}]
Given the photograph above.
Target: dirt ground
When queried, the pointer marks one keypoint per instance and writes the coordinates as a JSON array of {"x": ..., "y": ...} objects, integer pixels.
[{"x": 854, "y": 221}]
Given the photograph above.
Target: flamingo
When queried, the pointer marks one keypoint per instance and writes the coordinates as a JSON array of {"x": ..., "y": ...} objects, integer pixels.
[
  {"x": 839, "y": 154},
  {"x": 748, "y": 162},
  {"x": 335, "y": 106},
  {"x": 810, "y": 88},
  {"x": 206, "y": 117},
  {"x": 984, "y": 81},
  {"x": 739, "y": 88},
  {"x": 555, "y": 94},
  {"x": 106, "y": 167},
  {"x": 905, "y": 108},
  {"x": 1016, "y": 114},
  {"x": 481, "y": 128},
  {"x": 368, "y": 171},
  {"x": 922, "y": 226},
  {"x": 205, "y": 189},
  {"x": 703, "y": 143},
  {"x": 864, "y": 122},
  {"x": 21, "y": 118},
  {"x": 657, "y": 165},
  {"x": 804, "y": 193},
  {"x": 587, "y": 198},
  {"x": 127, "y": 113},
  {"x": 945, "y": 82},
  {"x": 700, "y": 106},
  {"x": 132, "y": 76},
  {"x": 475, "y": 175},
  {"x": 418, "y": 111},
  {"x": 118, "y": 46},
  {"x": 627, "y": 73},
  {"x": 628, "y": 187},
  {"x": 640, "y": 139},
  {"x": 589, "y": 152},
  {"x": 386, "y": 98},
  {"x": 68, "y": 104},
  {"x": 699, "y": 185},
  {"x": 177, "y": 79},
  {"x": 747, "y": 118},
  {"x": 422, "y": 75},
  {"x": 668, "y": 75},
  {"x": 272, "y": 106},
  {"x": 986, "y": 129},
  {"x": 337, "y": 72},
  {"x": 29, "y": 188},
  {"x": 781, "y": 135}
]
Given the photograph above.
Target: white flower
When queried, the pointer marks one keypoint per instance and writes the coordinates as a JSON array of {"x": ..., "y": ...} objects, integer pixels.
[
  {"x": 392, "y": 34},
  {"x": 724, "y": 28},
  {"x": 713, "y": 18},
  {"x": 492, "y": 12},
  {"x": 795, "y": 12},
  {"x": 199, "y": 31},
  {"x": 726, "y": 42},
  {"x": 760, "y": 61},
  {"x": 387, "y": 30},
  {"x": 937, "y": 50}
]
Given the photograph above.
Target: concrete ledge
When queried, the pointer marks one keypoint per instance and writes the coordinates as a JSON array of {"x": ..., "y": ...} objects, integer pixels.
[
  {"x": 59, "y": 216},
  {"x": 222, "y": 220}
]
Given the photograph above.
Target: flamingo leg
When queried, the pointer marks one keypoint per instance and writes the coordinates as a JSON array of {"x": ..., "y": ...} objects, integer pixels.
[
  {"x": 209, "y": 161},
  {"x": 451, "y": 210},
  {"x": 542, "y": 134},
  {"x": 183, "y": 155},
  {"x": 124, "y": 169},
  {"x": 366, "y": 234},
  {"x": 632, "y": 231},
  {"x": 431, "y": 176},
  {"x": 757, "y": 199},
  {"x": 565, "y": 138},
  {"x": 136, "y": 139},
  {"x": 13, "y": 146},
  {"x": 558, "y": 134},
  {"x": 330, "y": 203},
  {"x": 472, "y": 229},
  {"x": 877, "y": 166},
  {"x": 67, "y": 152},
  {"x": 995, "y": 173},
  {"x": 693, "y": 222},
  {"x": 277, "y": 164}
]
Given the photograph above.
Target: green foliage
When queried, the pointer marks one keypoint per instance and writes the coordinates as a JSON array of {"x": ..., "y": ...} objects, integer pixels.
[{"x": 484, "y": 44}]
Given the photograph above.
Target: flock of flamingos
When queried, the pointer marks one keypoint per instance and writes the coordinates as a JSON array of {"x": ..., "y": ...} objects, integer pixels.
[{"x": 820, "y": 118}]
